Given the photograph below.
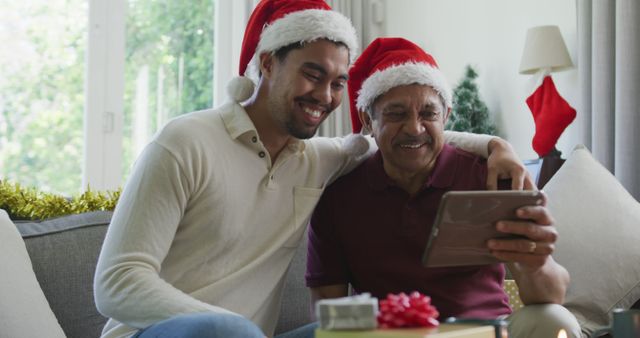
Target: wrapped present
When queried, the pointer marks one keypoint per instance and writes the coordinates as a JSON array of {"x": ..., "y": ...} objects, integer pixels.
[
  {"x": 402, "y": 310},
  {"x": 348, "y": 313},
  {"x": 442, "y": 331}
]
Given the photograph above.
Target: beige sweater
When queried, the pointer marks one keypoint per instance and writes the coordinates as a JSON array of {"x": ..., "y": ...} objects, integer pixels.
[{"x": 207, "y": 223}]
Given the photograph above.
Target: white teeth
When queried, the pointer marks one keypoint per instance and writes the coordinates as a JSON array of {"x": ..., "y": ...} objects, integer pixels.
[
  {"x": 314, "y": 113},
  {"x": 412, "y": 146}
]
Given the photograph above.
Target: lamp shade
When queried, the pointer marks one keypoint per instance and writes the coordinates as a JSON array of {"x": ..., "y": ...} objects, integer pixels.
[{"x": 544, "y": 49}]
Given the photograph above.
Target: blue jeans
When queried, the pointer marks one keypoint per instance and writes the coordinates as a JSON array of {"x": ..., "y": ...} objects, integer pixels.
[
  {"x": 307, "y": 331},
  {"x": 214, "y": 325}
]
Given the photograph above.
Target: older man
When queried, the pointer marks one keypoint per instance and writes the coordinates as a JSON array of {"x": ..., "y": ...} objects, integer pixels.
[{"x": 370, "y": 227}]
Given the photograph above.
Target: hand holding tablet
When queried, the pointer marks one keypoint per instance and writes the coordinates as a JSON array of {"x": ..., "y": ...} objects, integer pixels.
[{"x": 466, "y": 221}]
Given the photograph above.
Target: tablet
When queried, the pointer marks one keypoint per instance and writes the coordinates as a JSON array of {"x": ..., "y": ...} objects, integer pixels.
[{"x": 466, "y": 220}]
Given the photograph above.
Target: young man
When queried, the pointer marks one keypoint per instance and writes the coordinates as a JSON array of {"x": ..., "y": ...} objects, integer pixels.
[
  {"x": 371, "y": 226},
  {"x": 217, "y": 203}
]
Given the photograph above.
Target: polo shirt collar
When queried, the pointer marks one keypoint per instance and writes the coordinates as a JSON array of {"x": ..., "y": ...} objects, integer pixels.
[
  {"x": 237, "y": 121},
  {"x": 376, "y": 176},
  {"x": 441, "y": 176},
  {"x": 238, "y": 124},
  {"x": 445, "y": 169}
]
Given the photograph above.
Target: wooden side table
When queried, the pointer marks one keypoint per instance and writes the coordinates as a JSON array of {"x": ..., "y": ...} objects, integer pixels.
[{"x": 442, "y": 331}]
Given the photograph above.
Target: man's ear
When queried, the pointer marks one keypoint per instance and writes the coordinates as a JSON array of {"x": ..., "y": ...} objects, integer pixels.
[
  {"x": 365, "y": 120},
  {"x": 446, "y": 116},
  {"x": 266, "y": 64}
]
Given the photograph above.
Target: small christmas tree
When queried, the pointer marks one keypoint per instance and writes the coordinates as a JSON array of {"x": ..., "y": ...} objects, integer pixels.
[{"x": 469, "y": 113}]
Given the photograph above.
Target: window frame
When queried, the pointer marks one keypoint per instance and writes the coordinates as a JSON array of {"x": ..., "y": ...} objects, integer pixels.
[
  {"x": 104, "y": 95},
  {"x": 105, "y": 83}
]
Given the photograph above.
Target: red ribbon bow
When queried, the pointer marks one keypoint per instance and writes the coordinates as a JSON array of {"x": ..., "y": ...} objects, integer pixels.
[{"x": 401, "y": 310}]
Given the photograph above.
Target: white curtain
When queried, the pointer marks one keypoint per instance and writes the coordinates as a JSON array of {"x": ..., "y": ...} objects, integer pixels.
[
  {"x": 231, "y": 18},
  {"x": 368, "y": 19},
  {"x": 609, "y": 74}
]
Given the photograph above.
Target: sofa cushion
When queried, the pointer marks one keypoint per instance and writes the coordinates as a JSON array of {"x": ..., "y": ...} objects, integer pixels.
[
  {"x": 295, "y": 310},
  {"x": 64, "y": 252},
  {"x": 598, "y": 223},
  {"x": 24, "y": 310}
]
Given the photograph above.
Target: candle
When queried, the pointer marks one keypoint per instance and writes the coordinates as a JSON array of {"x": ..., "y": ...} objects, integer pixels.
[{"x": 562, "y": 334}]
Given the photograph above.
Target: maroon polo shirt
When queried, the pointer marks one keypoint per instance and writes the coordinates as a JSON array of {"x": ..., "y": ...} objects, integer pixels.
[{"x": 370, "y": 233}]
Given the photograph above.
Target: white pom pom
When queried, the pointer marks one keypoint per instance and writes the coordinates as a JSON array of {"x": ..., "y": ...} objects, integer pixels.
[
  {"x": 355, "y": 145},
  {"x": 240, "y": 88}
]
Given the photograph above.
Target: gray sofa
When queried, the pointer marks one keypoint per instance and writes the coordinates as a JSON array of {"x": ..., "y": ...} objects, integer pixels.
[{"x": 64, "y": 252}]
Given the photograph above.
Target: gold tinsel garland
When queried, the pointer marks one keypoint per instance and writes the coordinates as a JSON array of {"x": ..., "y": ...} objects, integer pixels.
[{"x": 30, "y": 204}]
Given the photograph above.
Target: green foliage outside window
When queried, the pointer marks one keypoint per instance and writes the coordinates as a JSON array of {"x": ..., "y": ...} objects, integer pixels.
[
  {"x": 42, "y": 75},
  {"x": 41, "y": 93},
  {"x": 173, "y": 38}
]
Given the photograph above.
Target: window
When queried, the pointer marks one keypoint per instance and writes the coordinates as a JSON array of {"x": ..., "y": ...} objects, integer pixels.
[
  {"x": 42, "y": 73},
  {"x": 85, "y": 84},
  {"x": 168, "y": 67}
]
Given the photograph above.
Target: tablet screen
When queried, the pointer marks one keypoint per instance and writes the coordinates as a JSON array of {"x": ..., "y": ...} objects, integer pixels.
[{"x": 466, "y": 221}]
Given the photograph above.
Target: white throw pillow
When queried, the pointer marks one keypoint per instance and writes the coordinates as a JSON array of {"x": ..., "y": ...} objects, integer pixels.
[
  {"x": 24, "y": 310},
  {"x": 598, "y": 223}
]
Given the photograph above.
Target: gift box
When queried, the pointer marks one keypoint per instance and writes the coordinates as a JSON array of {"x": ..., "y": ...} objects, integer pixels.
[
  {"x": 442, "y": 331},
  {"x": 348, "y": 313}
]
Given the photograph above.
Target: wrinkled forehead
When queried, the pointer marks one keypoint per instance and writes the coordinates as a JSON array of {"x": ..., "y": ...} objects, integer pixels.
[{"x": 417, "y": 96}]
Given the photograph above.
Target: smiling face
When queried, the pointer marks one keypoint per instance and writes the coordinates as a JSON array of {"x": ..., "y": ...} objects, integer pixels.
[
  {"x": 305, "y": 86},
  {"x": 408, "y": 123}
]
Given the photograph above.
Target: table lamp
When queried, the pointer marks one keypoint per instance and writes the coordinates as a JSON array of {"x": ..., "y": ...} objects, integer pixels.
[{"x": 545, "y": 52}]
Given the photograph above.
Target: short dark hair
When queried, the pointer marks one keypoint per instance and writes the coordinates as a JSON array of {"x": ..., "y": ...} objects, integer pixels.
[{"x": 282, "y": 52}]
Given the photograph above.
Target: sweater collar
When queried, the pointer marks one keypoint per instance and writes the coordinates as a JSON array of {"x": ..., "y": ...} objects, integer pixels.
[{"x": 239, "y": 125}]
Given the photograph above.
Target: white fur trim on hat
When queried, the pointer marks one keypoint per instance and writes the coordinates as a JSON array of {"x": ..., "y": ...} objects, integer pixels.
[
  {"x": 240, "y": 88},
  {"x": 304, "y": 26},
  {"x": 382, "y": 81}
]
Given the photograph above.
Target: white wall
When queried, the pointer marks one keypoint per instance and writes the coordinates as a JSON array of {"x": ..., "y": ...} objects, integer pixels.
[{"x": 489, "y": 35}]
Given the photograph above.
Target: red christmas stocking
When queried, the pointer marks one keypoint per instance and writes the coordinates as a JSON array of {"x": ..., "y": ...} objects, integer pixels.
[{"x": 551, "y": 113}]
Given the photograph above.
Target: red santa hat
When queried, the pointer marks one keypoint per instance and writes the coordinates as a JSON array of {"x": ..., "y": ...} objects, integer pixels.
[
  {"x": 278, "y": 23},
  {"x": 388, "y": 63}
]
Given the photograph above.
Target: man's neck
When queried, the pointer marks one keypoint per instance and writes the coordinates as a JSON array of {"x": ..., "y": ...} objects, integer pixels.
[
  {"x": 273, "y": 137},
  {"x": 411, "y": 182}
]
